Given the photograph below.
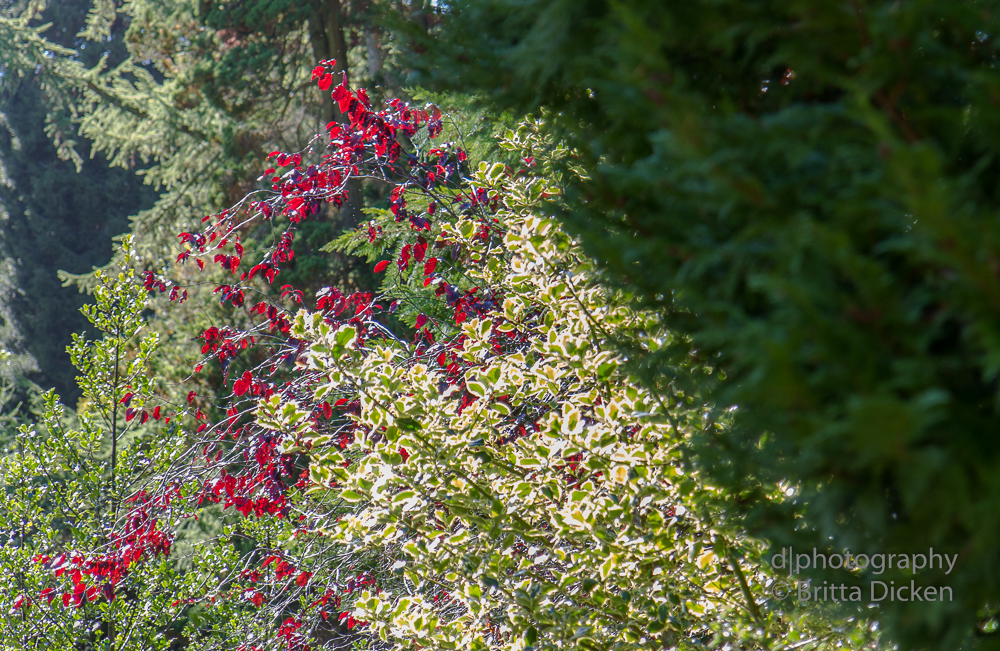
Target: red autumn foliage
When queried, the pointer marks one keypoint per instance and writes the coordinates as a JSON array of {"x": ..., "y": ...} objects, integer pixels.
[{"x": 236, "y": 462}]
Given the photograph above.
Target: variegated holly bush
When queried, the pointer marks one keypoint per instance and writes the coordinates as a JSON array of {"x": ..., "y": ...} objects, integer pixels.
[{"x": 526, "y": 490}]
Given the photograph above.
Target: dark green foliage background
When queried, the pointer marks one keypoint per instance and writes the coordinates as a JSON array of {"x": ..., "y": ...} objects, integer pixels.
[
  {"x": 55, "y": 218},
  {"x": 808, "y": 192}
]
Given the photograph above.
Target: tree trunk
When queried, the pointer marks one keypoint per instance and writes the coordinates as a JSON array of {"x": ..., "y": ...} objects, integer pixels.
[{"x": 326, "y": 35}]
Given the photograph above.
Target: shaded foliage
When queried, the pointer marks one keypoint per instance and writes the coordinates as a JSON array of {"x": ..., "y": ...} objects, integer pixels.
[{"x": 53, "y": 216}]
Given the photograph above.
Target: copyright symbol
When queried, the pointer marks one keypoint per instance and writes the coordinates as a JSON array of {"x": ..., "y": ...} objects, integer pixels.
[{"x": 778, "y": 590}]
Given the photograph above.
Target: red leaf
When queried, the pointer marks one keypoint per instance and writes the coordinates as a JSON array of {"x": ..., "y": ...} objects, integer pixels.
[
  {"x": 191, "y": 396},
  {"x": 156, "y": 413},
  {"x": 380, "y": 267},
  {"x": 325, "y": 81},
  {"x": 430, "y": 266},
  {"x": 303, "y": 579},
  {"x": 419, "y": 250},
  {"x": 243, "y": 384},
  {"x": 421, "y": 320}
]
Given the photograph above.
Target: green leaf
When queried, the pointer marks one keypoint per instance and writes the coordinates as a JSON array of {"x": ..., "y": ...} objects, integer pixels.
[{"x": 350, "y": 496}]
